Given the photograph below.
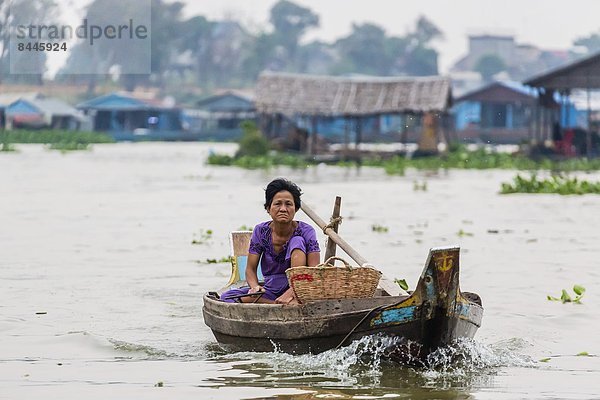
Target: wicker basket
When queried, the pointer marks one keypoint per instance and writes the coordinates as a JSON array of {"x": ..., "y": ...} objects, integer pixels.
[{"x": 325, "y": 281}]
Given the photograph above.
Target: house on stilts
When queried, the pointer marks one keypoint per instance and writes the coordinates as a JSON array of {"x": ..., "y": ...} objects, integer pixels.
[{"x": 306, "y": 112}]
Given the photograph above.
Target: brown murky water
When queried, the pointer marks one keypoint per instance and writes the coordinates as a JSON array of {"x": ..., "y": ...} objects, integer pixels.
[{"x": 101, "y": 287}]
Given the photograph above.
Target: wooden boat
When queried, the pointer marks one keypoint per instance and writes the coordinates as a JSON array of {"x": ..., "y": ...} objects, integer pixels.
[{"x": 434, "y": 315}]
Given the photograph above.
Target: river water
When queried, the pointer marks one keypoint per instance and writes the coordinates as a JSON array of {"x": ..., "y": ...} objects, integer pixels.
[{"x": 101, "y": 286}]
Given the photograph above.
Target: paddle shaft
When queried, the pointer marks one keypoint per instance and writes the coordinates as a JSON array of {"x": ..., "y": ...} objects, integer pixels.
[
  {"x": 239, "y": 296},
  {"x": 386, "y": 284},
  {"x": 333, "y": 235}
]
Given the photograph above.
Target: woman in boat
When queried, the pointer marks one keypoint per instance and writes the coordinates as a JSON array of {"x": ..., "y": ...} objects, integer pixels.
[{"x": 278, "y": 245}]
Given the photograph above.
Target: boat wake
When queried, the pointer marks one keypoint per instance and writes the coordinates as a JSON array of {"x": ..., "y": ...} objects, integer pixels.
[
  {"x": 140, "y": 351},
  {"x": 373, "y": 360}
]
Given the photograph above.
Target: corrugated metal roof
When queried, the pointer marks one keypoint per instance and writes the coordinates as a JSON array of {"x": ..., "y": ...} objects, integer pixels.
[
  {"x": 7, "y": 99},
  {"x": 228, "y": 101},
  {"x": 581, "y": 74},
  {"x": 125, "y": 101},
  {"x": 54, "y": 106},
  {"x": 501, "y": 91},
  {"x": 294, "y": 94},
  {"x": 47, "y": 106}
]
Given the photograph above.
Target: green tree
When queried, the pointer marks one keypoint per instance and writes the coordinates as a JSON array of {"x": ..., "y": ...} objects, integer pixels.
[
  {"x": 426, "y": 31},
  {"x": 489, "y": 65},
  {"x": 167, "y": 26},
  {"x": 26, "y": 12},
  {"x": 262, "y": 55},
  {"x": 104, "y": 57},
  {"x": 421, "y": 61},
  {"x": 419, "y": 58},
  {"x": 195, "y": 37},
  {"x": 364, "y": 51},
  {"x": 369, "y": 50},
  {"x": 252, "y": 142},
  {"x": 290, "y": 22}
]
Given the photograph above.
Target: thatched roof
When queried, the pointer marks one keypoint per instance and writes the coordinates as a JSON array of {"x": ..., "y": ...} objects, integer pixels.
[{"x": 293, "y": 94}]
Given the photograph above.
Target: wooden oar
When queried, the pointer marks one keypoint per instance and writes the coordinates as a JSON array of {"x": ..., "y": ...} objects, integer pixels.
[{"x": 384, "y": 282}]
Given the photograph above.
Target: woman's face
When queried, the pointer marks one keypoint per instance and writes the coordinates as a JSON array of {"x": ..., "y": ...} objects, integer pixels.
[{"x": 282, "y": 207}]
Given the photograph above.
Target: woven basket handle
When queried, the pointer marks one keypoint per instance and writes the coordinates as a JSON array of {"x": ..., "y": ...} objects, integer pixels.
[{"x": 337, "y": 258}]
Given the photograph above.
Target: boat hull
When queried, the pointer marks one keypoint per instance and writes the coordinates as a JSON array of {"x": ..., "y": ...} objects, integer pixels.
[
  {"x": 436, "y": 314},
  {"x": 300, "y": 336}
]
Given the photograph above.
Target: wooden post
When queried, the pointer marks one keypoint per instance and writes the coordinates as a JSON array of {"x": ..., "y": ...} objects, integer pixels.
[
  {"x": 313, "y": 136},
  {"x": 330, "y": 249},
  {"x": 588, "y": 135},
  {"x": 384, "y": 282}
]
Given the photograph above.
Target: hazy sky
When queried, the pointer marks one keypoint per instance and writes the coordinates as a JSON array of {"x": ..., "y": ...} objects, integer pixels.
[{"x": 548, "y": 24}]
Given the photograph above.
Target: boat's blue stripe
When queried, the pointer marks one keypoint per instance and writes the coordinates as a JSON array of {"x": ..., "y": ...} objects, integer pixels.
[{"x": 394, "y": 316}]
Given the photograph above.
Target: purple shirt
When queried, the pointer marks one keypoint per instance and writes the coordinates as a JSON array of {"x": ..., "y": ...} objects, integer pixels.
[
  {"x": 261, "y": 243},
  {"x": 273, "y": 265}
]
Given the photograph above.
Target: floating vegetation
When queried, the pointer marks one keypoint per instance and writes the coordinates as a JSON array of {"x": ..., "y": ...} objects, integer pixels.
[
  {"x": 419, "y": 186},
  {"x": 252, "y": 142},
  {"x": 218, "y": 261},
  {"x": 203, "y": 237},
  {"x": 245, "y": 228},
  {"x": 267, "y": 161},
  {"x": 565, "y": 297},
  {"x": 252, "y": 155},
  {"x": 580, "y": 354},
  {"x": 557, "y": 184},
  {"x": 255, "y": 153},
  {"x": 379, "y": 228},
  {"x": 62, "y": 140},
  {"x": 462, "y": 233},
  {"x": 68, "y": 146},
  {"x": 402, "y": 283},
  {"x": 6, "y": 146}
]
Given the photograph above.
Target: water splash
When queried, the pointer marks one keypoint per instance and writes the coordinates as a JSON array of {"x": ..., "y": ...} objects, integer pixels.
[
  {"x": 148, "y": 351},
  {"x": 373, "y": 361},
  {"x": 470, "y": 356}
]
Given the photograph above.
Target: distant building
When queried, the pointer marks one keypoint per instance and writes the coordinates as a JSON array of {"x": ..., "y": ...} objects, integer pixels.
[
  {"x": 6, "y": 99},
  {"x": 219, "y": 117},
  {"x": 35, "y": 111},
  {"x": 520, "y": 60},
  {"x": 350, "y": 110},
  {"x": 502, "y": 46},
  {"x": 464, "y": 82},
  {"x": 556, "y": 87},
  {"x": 502, "y": 113},
  {"x": 129, "y": 117}
]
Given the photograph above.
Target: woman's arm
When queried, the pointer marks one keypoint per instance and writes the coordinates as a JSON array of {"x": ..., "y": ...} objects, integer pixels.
[
  {"x": 313, "y": 259},
  {"x": 251, "y": 273}
]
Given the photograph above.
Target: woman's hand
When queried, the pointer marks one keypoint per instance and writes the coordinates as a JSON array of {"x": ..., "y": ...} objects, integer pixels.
[
  {"x": 256, "y": 289},
  {"x": 287, "y": 298}
]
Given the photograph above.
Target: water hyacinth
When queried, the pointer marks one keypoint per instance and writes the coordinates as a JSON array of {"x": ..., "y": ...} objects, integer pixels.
[
  {"x": 565, "y": 297},
  {"x": 63, "y": 140},
  {"x": 557, "y": 184},
  {"x": 458, "y": 157}
]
